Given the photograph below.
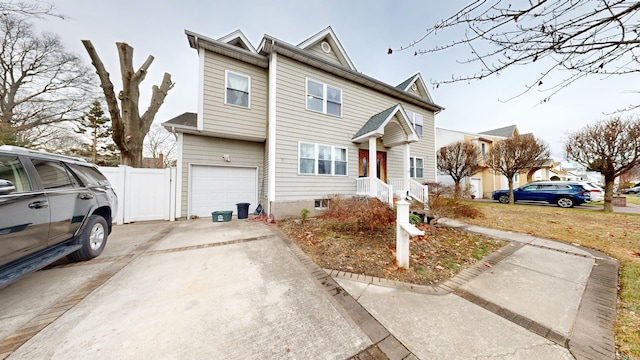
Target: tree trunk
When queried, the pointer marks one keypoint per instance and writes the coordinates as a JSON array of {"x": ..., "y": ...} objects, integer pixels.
[
  {"x": 129, "y": 128},
  {"x": 608, "y": 194},
  {"x": 511, "y": 199},
  {"x": 456, "y": 193}
]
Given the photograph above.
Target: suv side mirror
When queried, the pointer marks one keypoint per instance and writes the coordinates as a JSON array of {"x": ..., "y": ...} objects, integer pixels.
[{"x": 6, "y": 187}]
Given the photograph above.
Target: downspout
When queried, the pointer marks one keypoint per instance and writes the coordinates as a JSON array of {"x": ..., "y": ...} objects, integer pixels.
[{"x": 273, "y": 65}]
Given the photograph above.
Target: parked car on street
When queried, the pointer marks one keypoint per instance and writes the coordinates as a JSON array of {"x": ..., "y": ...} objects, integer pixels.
[
  {"x": 51, "y": 206},
  {"x": 565, "y": 194},
  {"x": 596, "y": 192},
  {"x": 633, "y": 190}
]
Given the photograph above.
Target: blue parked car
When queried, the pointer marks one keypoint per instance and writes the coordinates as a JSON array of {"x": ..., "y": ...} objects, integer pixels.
[{"x": 565, "y": 194}]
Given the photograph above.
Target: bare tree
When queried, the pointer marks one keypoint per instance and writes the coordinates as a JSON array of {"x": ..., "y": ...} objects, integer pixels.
[
  {"x": 29, "y": 9},
  {"x": 160, "y": 141},
  {"x": 512, "y": 155},
  {"x": 610, "y": 147},
  {"x": 582, "y": 37},
  {"x": 40, "y": 83},
  {"x": 129, "y": 127},
  {"x": 458, "y": 160}
]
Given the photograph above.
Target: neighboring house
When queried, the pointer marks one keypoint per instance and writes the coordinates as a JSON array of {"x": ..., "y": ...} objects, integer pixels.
[
  {"x": 289, "y": 126},
  {"x": 484, "y": 182}
]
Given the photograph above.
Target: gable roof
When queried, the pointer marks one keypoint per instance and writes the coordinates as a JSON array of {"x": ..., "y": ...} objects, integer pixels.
[
  {"x": 270, "y": 44},
  {"x": 506, "y": 131},
  {"x": 237, "y": 38},
  {"x": 330, "y": 37},
  {"x": 421, "y": 87},
  {"x": 375, "y": 125}
]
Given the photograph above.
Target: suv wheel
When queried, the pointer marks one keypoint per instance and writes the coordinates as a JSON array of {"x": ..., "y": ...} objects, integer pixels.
[
  {"x": 565, "y": 202},
  {"x": 93, "y": 239},
  {"x": 504, "y": 199}
]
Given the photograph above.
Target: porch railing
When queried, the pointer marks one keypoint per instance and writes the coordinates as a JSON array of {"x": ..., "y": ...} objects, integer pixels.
[
  {"x": 381, "y": 190},
  {"x": 416, "y": 190},
  {"x": 419, "y": 191}
]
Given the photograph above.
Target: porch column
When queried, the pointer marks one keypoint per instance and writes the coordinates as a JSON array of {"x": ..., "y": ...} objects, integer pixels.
[
  {"x": 406, "y": 170},
  {"x": 373, "y": 167}
]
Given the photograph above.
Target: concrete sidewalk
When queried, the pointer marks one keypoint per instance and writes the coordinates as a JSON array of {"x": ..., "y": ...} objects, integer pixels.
[
  {"x": 535, "y": 299},
  {"x": 242, "y": 290}
]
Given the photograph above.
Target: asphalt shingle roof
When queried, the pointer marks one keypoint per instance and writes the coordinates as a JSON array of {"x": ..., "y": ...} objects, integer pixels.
[
  {"x": 506, "y": 131},
  {"x": 375, "y": 121},
  {"x": 188, "y": 119}
]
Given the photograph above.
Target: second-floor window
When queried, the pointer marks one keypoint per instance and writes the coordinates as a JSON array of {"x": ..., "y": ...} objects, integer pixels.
[
  {"x": 237, "y": 92},
  {"x": 318, "y": 159},
  {"x": 483, "y": 148},
  {"x": 324, "y": 98},
  {"x": 416, "y": 120},
  {"x": 416, "y": 166}
]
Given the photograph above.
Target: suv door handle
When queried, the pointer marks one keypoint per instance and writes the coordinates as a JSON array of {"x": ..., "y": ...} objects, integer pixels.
[
  {"x": 85, "y": 196},
  {"x": 40, "y": 204}
]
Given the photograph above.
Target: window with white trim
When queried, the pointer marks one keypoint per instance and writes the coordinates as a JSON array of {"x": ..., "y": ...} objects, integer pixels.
[
  {"x": 318, "y": 159},
  {"x": 416, "y": 167},
  {"x": 416, "y": 120},
  {"x": 237, "y": 89},
  {"x": 324, "y": 98},
  {"x": 483, "y": 147}
]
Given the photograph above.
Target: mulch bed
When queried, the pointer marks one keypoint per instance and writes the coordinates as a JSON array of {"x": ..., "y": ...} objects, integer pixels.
[{"x": 433, "y": 259}]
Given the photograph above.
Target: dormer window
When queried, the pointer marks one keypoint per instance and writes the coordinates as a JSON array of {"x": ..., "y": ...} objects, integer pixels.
[{"x": 237, "y": 92}]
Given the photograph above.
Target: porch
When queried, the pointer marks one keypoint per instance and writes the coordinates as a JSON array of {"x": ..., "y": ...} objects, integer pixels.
[
  {"x": 374, "y": 187},
  {"x": 388, "y": 129}
]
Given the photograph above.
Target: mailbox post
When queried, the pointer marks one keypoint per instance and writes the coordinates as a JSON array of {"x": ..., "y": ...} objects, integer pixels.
[{"x": 404, "y": 229}]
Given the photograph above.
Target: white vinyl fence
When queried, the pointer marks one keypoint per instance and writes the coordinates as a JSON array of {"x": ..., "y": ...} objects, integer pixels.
[{"x": 143, "y": 194}]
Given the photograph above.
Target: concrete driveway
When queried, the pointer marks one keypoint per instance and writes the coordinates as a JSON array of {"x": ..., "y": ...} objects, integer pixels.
[
  {"x": 241, "y": 290},
  {"x": 179, "y": 290}
]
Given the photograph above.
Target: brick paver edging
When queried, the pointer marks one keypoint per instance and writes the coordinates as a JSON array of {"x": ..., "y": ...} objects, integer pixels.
[{"x": 385, "y": 345}]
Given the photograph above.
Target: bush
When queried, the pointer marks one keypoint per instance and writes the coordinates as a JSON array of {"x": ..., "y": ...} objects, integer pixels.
[
  {"x": 443, "y": 204},
  {"x": 415, "y": 219},
  {"x": 359, "y": 214}
]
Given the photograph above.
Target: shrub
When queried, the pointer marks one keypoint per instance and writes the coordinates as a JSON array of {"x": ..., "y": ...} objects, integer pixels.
[
  {"x": 304, "y": 213},
  {"x": 415, "y": 219},
  {"x": 359, "y": 214},
  {"x": 443, "y": 204}
]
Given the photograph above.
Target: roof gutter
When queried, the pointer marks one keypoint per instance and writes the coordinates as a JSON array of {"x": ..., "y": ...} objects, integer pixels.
[{"x": 271, "y": 44}]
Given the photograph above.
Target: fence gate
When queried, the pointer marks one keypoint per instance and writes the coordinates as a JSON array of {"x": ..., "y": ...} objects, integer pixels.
[{"x": 143, "y": 194}]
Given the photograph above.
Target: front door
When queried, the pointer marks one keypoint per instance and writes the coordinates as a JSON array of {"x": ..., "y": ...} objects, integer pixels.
[{"x": 364, "y": 166}]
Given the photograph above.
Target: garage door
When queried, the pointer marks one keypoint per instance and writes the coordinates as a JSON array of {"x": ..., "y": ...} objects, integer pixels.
[{"x": 220, "y": 188}]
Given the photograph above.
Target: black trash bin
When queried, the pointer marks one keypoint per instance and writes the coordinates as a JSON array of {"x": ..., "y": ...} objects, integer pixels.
[{"x": 243, "y": 210}]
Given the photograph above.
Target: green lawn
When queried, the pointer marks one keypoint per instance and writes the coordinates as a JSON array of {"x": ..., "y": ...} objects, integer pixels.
[{"x": 616, "y": 234}]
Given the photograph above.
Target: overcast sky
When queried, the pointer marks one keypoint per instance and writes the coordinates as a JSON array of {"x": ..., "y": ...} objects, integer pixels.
[{"x": 366, "y": 30}]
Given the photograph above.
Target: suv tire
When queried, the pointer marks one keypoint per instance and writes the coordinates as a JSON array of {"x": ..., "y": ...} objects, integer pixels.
[
  {"x": 565, "y": 202},
  {"x": 93, "y": 239}
]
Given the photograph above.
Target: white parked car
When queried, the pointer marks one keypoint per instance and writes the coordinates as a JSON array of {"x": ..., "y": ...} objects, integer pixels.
[{"x": 595, "y": 191}]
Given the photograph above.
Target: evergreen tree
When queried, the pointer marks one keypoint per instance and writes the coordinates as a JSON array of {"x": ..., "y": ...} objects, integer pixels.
[{"x": 98, "y": 128}]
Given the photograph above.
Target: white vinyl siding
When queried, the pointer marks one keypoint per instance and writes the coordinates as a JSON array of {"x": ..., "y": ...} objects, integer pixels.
[
  {"x": 238, "y": 89},
  {"x": 236, "y": 122},
  {"x": 359, "y": 104},
  {"x": 324, "y": 98},
  {"x": 317, "y": 159}
]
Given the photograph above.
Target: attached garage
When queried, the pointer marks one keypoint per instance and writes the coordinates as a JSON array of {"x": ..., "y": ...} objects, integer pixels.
[{"x": 220, "y": 188}]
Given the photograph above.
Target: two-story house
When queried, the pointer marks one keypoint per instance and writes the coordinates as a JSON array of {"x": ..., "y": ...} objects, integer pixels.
[
  {"x": 485, "y": 181},
  {"x": 288, "y": 126}
]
